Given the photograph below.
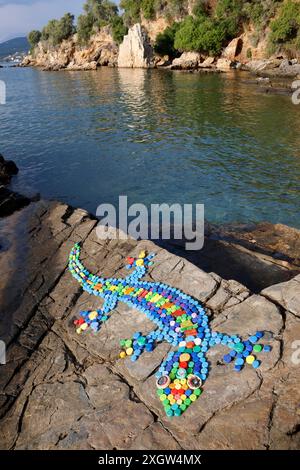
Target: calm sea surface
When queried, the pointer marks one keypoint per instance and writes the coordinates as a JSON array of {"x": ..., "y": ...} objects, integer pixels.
[{"x": 156, "y": 136}]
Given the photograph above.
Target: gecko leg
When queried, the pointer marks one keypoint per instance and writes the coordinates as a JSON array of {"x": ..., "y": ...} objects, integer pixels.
[
  {"x": 94, "y": 318},
  {"x": 241, "y": 352},
  {"x": 140, "y": 264},
  {"x": 138, "y": 344}
]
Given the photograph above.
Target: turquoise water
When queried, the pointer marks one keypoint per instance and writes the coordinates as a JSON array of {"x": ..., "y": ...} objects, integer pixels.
[{"x": 155, "y": 136}]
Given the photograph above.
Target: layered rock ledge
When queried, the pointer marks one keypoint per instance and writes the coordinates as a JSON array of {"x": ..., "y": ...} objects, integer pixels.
[{"x": 64, "y": 391}]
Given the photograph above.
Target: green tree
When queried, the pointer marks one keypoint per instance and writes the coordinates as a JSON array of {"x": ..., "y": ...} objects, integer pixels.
[
  {"x": 58, "y": 30},
  {"x": 49, "y": 30},
  {"x": 98, "y": 13},
  {"x": 66, "y": 27},
  {"x": 132, "y": 11},
  {"x": 102, "y": 11},
  {"x": 34, "y": 37},
  {"x": 85, "y": 24},
  {"x": 118, "y": 29}
]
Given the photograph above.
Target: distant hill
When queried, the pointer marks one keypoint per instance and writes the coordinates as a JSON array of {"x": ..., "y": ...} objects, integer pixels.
[{"x": 12, "y": 46}]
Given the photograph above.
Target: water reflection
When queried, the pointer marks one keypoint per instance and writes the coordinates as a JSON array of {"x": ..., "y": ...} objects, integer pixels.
[{"x": 86, "y": 137}]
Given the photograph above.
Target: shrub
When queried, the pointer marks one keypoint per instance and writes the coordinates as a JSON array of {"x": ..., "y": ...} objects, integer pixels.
[
  {"x": 254, "y": 12},
  {"x": 178, "y": 7},
  {"x": 148, "y": 9},
  {"x": 132, "y": 10},
  {"x": 230, "y": 14},
  {"x": 34, "y": 38},
  {"x": 164, "y": 44},
  {"x": 201, "y": 8},
  {"x": 203, "y": 34},
  {"x": 118, "y": 29},
  {"x": 286, "y": 26}
]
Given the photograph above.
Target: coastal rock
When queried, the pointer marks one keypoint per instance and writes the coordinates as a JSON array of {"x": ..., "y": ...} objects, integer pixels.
[
  {"x": 7, "y": 170},
  {"x": 287, "y": 294},
  {"x": 70, "y": 55},
  {"x": 207, "y": 63},
  {"x": 163, "y": 61},
  {"x": 101, "y": 50},
  {"x": 187, "y": 60},
  {"x": 263, "y": 64},
  {"x": 84, "y": 66},
  {"x": 135, "y": 50},
  {"x": 224, "y": 64},
  {"x": 290, "y": 69},
  {"x": 11, "y": 201},
  {"x": 233, "y": 49},
  {"x": 275, "y": 67}
]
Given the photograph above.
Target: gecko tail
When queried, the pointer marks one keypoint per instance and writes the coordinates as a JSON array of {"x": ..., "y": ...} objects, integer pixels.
[
  {"x": 75, "y": 265},
  {"x": 79, "y": 272},
  {"x": 241, "y": 352}
]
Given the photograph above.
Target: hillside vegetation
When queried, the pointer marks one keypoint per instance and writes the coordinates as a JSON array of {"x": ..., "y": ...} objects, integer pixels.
[
  {"x": 12, "y": 46},
  {"x": 204, "y": 26}
]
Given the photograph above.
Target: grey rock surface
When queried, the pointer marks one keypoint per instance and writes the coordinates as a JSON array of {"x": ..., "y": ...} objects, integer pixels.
[{"x": 59, "y": 390}]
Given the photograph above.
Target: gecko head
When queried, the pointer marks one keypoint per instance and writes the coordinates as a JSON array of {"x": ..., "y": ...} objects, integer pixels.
[{"x": 179, "y": 382}]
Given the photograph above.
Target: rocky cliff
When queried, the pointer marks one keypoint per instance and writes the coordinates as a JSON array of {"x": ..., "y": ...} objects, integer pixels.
[
  {"x": 135, "y": 50},
  {"x": 101, "y": 50}
]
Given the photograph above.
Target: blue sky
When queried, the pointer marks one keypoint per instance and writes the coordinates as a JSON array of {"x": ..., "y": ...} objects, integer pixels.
[{"x": 18, "y": 17}]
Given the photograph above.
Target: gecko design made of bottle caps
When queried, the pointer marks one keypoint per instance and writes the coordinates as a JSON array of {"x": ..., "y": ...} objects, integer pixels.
[{"x": 180, "y": 320}]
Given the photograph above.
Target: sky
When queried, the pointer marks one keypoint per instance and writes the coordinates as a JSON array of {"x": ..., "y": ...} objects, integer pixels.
[{"x": 18, "y": 17}]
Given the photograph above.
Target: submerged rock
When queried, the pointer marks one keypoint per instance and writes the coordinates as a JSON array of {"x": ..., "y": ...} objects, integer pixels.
[
  {"x": 9, "y": 200},
  {"x": 7, "y": 170},
  {"x": 135, "y": 50}
]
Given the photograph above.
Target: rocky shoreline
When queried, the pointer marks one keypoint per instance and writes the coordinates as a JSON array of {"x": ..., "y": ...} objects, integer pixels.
[
  {"x": 63, "y": 391},
  {"x": 274, "y": 75},
  {"x": 137, "y": 50}
]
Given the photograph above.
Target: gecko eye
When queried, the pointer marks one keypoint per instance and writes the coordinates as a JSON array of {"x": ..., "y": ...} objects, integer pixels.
[
  {"x": 194, "y": 382},
  {"x": 163, "y": 381}
]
